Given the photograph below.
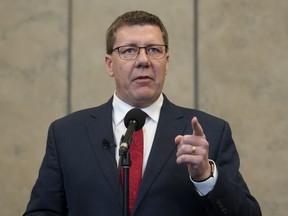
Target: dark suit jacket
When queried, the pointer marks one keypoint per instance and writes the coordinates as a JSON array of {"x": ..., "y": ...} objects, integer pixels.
[{"x": 79, "y": 176}]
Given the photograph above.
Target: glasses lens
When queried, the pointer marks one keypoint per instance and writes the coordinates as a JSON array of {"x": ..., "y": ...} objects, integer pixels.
[
  {"x": 128, "y": 52},
  {"x": 131, "y": 52},
  {"x": 156, "y": 51}
]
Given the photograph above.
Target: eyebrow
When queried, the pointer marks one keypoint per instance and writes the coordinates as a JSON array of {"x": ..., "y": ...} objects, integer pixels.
[{"x": 136, "y": 45}]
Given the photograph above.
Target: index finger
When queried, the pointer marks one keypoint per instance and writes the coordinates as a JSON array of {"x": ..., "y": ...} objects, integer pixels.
[{"x": 197, "y": 128}]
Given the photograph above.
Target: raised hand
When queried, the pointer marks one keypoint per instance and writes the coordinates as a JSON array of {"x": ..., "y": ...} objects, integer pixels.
[{"x": 193, "y": 150}]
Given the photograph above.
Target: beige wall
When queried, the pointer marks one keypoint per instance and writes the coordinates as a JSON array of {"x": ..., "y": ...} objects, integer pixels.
[
  {"x": 243, "y": 49},
  {"x": 244, "y": 79}
]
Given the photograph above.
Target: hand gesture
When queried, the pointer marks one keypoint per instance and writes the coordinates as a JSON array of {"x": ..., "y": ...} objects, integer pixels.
[{"x": 193, "y": 150}]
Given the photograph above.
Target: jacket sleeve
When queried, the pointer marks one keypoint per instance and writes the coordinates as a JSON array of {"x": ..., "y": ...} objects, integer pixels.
[
  {"x": 48, "y": 196},
  {"x": 230, "y": 196}
]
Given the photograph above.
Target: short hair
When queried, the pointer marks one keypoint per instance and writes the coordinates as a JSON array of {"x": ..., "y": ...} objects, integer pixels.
[{"x": 133, "y": 18}]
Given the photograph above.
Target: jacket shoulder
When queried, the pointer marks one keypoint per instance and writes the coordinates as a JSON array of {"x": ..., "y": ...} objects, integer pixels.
[
  {"x": 83, "y": 115},
  {"x": 202, "y": 116}
]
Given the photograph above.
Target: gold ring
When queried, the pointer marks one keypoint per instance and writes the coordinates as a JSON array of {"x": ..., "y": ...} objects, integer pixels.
[{"x": 193, "y": 150}]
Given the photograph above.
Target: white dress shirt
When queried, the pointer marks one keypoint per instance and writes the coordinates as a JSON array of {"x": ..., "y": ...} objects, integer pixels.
[{"x": 120, "y": 109}]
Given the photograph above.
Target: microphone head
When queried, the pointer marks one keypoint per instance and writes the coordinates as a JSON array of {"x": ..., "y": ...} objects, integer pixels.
[{"x": 137, "y": 115}]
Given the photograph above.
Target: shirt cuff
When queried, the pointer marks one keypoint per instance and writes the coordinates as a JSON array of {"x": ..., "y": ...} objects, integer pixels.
[{"x": 203, "y": 188}]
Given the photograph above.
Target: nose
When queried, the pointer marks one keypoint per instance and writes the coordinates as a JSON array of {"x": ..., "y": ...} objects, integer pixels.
[
  {"x": 142, "y": 60},
  {"x": 142, "y": 55}
]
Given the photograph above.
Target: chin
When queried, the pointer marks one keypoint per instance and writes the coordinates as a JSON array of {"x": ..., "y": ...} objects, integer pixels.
[{"x": 145, "y": 100}]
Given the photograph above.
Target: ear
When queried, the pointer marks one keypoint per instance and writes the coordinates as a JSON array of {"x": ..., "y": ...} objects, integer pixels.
[
  {"x": 108, "y": 65},
  {"x": 167, "y": 63}
]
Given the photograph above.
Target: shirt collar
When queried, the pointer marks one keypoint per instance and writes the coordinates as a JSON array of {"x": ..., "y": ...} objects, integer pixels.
[{"x": 120, "y": 109}]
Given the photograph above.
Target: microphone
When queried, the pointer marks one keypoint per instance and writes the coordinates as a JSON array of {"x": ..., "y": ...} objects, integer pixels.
[{"x": 134, "y": 121}]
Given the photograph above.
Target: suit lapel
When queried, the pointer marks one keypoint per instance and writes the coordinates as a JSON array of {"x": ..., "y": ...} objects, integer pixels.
[
  {"x": 101, "y": 136},
  {"x": 171, "y": 123}
]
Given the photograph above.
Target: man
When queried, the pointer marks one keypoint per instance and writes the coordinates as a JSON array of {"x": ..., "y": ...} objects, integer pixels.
[{"x": 190, "y": 162}]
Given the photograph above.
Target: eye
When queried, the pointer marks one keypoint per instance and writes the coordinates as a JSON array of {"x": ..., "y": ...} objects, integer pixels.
[
  {"x": 129, "y": 50},
  {"x": 153, "y": 50}
]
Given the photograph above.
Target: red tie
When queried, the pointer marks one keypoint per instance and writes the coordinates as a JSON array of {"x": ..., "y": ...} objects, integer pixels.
[
  {"x": 135, "y": 177},
  {"x": 135, "y": 171}
]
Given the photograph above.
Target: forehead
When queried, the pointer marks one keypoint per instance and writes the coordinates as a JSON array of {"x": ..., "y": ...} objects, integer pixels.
[{"x": 138, "y": 35}]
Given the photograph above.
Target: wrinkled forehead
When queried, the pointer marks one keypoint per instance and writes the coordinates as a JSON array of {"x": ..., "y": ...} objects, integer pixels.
[{"x": 135, "y": 34}]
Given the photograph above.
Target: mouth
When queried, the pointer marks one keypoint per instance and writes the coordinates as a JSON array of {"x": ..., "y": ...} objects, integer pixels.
[{"x": 142, "y": 78}]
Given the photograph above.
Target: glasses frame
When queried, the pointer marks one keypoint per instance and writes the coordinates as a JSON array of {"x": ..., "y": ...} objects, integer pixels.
[{"x": 139, "y": 48}]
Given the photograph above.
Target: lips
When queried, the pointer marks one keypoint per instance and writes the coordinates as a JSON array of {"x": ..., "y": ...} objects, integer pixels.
[{"x": 142, "y": 78}]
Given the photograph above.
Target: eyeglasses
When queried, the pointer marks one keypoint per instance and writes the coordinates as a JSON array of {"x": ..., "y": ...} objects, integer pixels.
[{"x": 130, "y": 52}]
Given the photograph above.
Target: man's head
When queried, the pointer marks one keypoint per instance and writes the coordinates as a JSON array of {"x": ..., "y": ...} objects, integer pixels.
[
  {"x": 137, "y": 57},
  {"x": 133, "y": 18}
]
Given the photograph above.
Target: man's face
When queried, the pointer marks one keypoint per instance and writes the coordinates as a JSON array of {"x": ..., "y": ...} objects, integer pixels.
[{"x": 139, "y": 82}]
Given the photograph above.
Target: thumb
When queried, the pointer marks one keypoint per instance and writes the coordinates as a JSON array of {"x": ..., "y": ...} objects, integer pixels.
[
  {"x": 178, "y": 139},
  {"x": 197, "y": 128}
]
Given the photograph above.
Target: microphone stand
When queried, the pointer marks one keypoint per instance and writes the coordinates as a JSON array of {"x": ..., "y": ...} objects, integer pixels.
[
  {"x": 125, "y": 162},
  {"x": 134, "y": 120}
]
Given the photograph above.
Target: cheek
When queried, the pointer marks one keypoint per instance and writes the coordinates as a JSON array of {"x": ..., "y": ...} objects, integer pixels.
[
  {"x": 161, "y": 73},
  {"x": 122, "y": 67},
  {"x": 121, "y": 74}
]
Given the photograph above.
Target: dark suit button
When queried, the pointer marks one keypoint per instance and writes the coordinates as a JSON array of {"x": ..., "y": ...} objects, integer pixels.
[
  {"x": 221, "y": 207},
  {"x": 218, "y": 201}
]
